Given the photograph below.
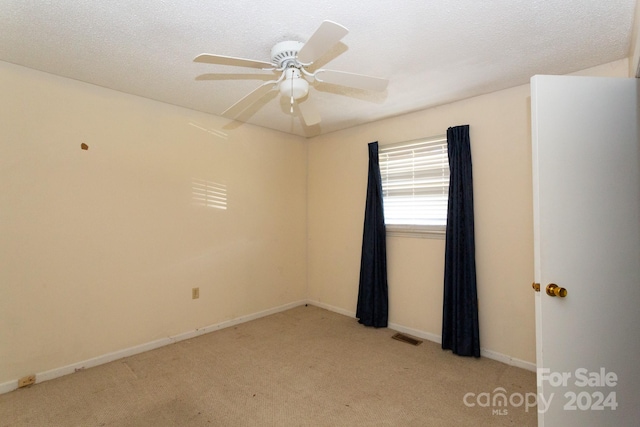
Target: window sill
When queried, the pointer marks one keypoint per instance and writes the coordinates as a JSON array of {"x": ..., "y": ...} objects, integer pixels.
[{"x": 416, "y": 231}]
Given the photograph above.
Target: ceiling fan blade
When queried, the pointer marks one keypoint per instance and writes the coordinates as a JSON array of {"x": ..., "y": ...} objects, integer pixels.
[
  {"x": 309, "y": 114},
  {"x": 248, "y": 99},
  {"x": 357, "y": 81},
  {"x": 328, "y": 34},
  {"x": 209, "y": 58},
  {"x": 224, "y": 76}
]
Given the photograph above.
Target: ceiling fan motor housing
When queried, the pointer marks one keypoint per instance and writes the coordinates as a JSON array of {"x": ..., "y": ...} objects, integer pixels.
[{"x": 284, "y": 54}]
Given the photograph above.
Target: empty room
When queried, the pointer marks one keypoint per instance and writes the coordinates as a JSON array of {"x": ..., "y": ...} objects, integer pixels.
[{"x": 201, "y": 223}]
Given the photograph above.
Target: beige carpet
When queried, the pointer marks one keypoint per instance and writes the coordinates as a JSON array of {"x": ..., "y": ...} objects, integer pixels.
[{"x": 303, "y": 367}]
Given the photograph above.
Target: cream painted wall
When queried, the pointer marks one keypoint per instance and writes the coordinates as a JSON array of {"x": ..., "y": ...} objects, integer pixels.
[
  {"x": 501, "y": 151},
  {"x": 99, "y": 249}
]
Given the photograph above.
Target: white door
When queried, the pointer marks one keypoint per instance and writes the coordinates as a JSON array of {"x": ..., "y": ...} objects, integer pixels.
[{"x": 586, "y": 178}]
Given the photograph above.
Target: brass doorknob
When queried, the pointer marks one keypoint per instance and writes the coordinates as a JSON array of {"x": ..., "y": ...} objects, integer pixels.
[
  {"x": 536, "y": 286},
  {"x": 554, "y": 290}
]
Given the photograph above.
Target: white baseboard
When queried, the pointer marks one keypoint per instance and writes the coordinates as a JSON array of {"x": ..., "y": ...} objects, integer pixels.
[
  {"x": 518, "y": 363},
  {"x": 110, "y": 357},
  {"x": 489, "y": 354},
  {"x": 119, "y": 354},
  {"x": 8, "y": 386},
  {"x": 333, "y": 308}
]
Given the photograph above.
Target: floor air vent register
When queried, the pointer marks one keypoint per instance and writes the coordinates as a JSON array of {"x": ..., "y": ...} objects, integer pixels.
[{"x": 406, "y": 338}]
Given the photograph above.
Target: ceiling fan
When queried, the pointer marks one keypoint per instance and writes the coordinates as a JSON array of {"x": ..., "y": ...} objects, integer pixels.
[{"x": 291, "y": 60}]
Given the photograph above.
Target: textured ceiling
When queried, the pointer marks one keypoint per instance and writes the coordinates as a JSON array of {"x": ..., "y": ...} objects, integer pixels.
[{"x": 432, "y": 51}]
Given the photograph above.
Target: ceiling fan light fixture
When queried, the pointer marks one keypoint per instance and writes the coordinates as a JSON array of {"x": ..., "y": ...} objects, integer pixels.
[{"x": 294, "y": 86}]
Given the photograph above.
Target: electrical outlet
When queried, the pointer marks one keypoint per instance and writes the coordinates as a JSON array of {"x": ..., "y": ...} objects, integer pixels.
[
  {"x": 25, "y": 381},
  {"x": 195, "y": 293}
]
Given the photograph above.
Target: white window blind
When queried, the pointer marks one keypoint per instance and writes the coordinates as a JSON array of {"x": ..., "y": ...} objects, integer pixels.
[{"x": 415, "y": 182}]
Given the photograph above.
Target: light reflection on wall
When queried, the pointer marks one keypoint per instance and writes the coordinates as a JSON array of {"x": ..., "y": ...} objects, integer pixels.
[
  {"x": 208, "y": 194},
  {"x": 215, "y": 132}
]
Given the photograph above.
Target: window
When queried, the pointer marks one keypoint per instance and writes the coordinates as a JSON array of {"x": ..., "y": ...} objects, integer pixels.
[{"x": 415, "y": 185}]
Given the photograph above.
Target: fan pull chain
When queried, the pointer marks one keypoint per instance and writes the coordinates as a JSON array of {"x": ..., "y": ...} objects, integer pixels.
[{"x": 292, "y": 96}]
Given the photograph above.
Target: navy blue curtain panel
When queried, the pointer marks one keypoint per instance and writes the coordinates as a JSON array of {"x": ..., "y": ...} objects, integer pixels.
[
  {"x": 460, "y": 329},
  {"x": 373, "y": 297}
]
